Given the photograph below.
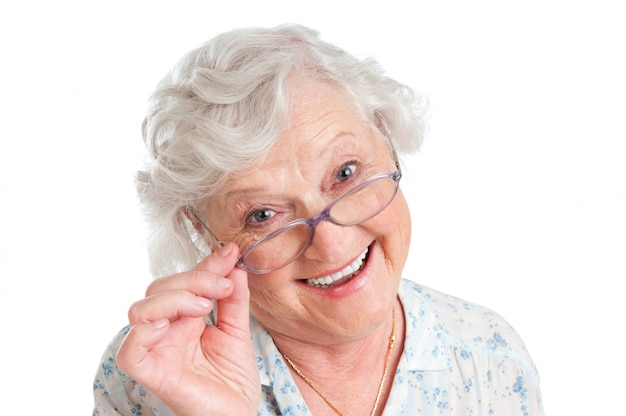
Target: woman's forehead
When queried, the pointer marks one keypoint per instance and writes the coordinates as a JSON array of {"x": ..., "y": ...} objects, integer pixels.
[
  {"x": 294, "y": 160},
  {"x": 288, "y": 171},
  {"x": 322, "y": 125},
  {"x": 313, "y": 101}
]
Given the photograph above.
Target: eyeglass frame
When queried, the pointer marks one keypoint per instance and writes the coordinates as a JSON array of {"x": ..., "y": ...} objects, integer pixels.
[{"x": 311, "y": 222}]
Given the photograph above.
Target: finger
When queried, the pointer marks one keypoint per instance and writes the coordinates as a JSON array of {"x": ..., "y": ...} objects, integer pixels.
[
  {"x": 200, "y": 282},
  {"x": 169, "y": 305},
  {"x": 134, "y": 356},
  {"x": 206, "y": 277},
  {"x": 222, "y": 261},
  {"x": 234, "y": 310}
]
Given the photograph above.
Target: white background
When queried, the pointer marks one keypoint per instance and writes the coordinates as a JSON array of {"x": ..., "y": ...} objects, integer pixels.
[{"x": 518, "y": 195}]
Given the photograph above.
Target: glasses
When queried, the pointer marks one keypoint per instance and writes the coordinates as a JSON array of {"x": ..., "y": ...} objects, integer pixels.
[{"x": 287, "y": 243}]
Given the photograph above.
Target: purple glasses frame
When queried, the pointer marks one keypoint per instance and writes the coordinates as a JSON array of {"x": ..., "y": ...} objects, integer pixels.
[
  {"x": 315, "y": 220},
  {"x": 311, "y": 222}
]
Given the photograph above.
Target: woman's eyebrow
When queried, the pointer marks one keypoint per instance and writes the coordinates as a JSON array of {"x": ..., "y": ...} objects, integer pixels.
[
  {"x": 249, "y": 195},
  {"x": 267, "y": 188}
]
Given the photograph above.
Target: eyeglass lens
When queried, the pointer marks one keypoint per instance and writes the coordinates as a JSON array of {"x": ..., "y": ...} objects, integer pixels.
[{"x": 356, "y": 206}]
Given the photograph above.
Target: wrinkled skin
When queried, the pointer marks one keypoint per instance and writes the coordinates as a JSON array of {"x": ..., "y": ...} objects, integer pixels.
[
  {"x": 195, "y": 368},
  {"x": 337, "y": 335}
]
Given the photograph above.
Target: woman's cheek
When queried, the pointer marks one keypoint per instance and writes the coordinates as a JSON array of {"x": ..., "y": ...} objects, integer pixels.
[{"x": 394, "y": 232}]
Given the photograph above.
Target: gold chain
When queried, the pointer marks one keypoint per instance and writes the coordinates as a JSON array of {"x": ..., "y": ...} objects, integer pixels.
[{"x": 392, "y": 339}]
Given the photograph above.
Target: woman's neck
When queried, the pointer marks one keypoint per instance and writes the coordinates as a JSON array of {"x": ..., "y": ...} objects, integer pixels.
[{"x": 348, "y": 372}]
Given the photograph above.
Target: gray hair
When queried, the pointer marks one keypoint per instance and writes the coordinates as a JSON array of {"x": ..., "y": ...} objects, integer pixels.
[{"x": 222, "y": 107}]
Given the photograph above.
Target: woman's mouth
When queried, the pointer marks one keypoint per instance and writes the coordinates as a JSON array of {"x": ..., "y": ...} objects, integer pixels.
[{"x": 341, "y": 276}]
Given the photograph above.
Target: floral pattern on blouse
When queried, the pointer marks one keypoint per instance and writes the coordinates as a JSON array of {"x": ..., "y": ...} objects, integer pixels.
[{"x": 459, "y": 359}]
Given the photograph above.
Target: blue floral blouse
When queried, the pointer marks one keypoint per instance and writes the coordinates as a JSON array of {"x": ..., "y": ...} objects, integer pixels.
[{"x": 458, "y": 359}]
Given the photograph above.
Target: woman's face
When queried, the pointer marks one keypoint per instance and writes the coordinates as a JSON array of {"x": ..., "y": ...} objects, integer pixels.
[{"x": 325, "y": 149}]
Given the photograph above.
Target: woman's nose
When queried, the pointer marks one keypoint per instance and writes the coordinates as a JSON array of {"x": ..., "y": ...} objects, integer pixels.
[{"x": 331, "y": 243}]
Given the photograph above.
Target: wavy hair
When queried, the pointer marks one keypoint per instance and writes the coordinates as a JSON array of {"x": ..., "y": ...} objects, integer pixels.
[{"x": 221, "y": 109}]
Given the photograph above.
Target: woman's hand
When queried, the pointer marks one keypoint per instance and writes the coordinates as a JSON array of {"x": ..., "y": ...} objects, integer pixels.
[{"x": 194, "y": 368}]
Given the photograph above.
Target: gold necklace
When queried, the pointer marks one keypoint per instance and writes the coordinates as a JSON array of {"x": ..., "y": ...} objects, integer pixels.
[{"x": 392, "y": 339}]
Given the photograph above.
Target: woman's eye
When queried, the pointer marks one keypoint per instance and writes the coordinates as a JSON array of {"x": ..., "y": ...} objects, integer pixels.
[
  {"x": 261, "y": 215},
  {"x": 345, "y": 172}
]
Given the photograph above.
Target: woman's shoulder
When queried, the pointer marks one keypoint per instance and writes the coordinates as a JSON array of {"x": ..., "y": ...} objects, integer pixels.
[
  {"x": 471, "y": 346},
  {"x": 460, "y": 323}
]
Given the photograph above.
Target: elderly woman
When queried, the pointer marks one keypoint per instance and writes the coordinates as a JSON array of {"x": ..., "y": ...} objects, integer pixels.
[{"x": 272, "y": 188}]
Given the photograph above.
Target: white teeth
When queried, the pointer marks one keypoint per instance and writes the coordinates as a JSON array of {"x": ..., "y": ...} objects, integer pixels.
[{"x": 349, "y": 269}]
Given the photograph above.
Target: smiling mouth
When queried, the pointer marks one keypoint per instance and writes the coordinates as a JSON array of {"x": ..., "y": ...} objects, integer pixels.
[{"x": 342, "y": 276}]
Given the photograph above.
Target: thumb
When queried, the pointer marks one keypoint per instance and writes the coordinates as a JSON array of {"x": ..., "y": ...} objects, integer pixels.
[
  {"x": 233, "y": 312},
  {"x": 133, "y": 356}
]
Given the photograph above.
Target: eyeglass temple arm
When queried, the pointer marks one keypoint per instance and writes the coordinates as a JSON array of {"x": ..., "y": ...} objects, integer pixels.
[{"x": 191, "y": 212}]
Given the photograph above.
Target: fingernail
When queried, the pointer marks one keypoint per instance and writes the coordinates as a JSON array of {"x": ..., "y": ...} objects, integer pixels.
[
  {"x": 223, "y": 282},
  {"x": 203, "y": 302},
  {"x": 225, "y": 250}
]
